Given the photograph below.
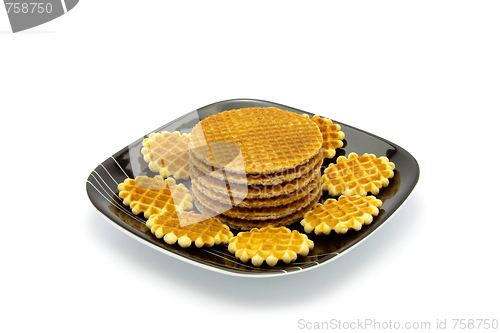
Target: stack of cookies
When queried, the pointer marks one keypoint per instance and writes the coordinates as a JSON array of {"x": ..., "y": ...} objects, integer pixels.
[{"x": 256, "y": 167}]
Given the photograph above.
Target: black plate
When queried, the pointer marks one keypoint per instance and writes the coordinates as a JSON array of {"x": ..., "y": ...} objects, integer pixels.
[{"x": 128, "y": 163}]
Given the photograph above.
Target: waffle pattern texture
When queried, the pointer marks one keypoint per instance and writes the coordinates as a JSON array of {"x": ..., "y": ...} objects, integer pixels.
[
  {"x": 268, "y": 139},
  {"x": 152, "y": 195},
  {"x": 167, "y": 153},
  {"x": 270, "y": 244},
  {"x": 357, "y": 175},
  {"x": 186, "y": 228},
  {"x": 341, "y": 215},
  {"x": 332, "y": 135}
]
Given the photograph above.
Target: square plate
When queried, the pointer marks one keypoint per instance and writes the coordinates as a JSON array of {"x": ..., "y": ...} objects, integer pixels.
[{"x": 128, "y": 163}]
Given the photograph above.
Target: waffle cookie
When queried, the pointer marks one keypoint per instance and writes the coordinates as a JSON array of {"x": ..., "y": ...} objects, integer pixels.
[
  {"x": 275, "y": 205},
  {"x": 253, "y": 191},
  {"x": 245, "y": 224},
  {"x": 225, "y": 198},
  {"x": 341, "y": 215},
  {"x": 257, "y": 179},
  {"x": 269, "y": 244},
  {"x": 268, "y": 140},
  {"x": 257, "y": 213},
  {"x": 332, "y": 135},
  {"x": 167, "y": 153},
  {"x": 256, "y": 166},
  {"x": 188, "y": 227},
  {"x": 152, "y": 195},
  {"x": 357, "y": 175}
]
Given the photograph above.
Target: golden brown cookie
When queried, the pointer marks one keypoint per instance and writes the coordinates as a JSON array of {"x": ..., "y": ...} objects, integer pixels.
[
  {"x": 260, "y": 178},
  {"x": 243, "y": 224},
  {"x": 341, "y": 215},
  {"x": 152, "y": 195},
  {"x": 256, "y": 140},
  {"x": 278, "y": 200},
  {"x": 167, "y": 153},
  {"x": 257, "y": 213},
  {"x": 188, "y": 227},
  {"x": 269, "y": 244},
  {"x": 332, "y": 135},
  {"x": 357, "y": 175},
  {"x": 254, "y": 191}
]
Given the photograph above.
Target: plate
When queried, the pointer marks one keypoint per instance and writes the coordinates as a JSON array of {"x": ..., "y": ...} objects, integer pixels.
[{"x": 128, "y": 163}]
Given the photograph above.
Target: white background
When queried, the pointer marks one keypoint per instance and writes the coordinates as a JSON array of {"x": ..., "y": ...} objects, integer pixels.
[{"x": 423, "y": 74}]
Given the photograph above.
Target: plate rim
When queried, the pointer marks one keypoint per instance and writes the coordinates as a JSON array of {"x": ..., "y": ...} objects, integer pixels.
[{"x": 260, "y": 274}]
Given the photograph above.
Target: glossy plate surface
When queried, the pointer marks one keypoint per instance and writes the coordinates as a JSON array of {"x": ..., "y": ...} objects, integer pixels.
[{"x": 128, "y": 163}]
